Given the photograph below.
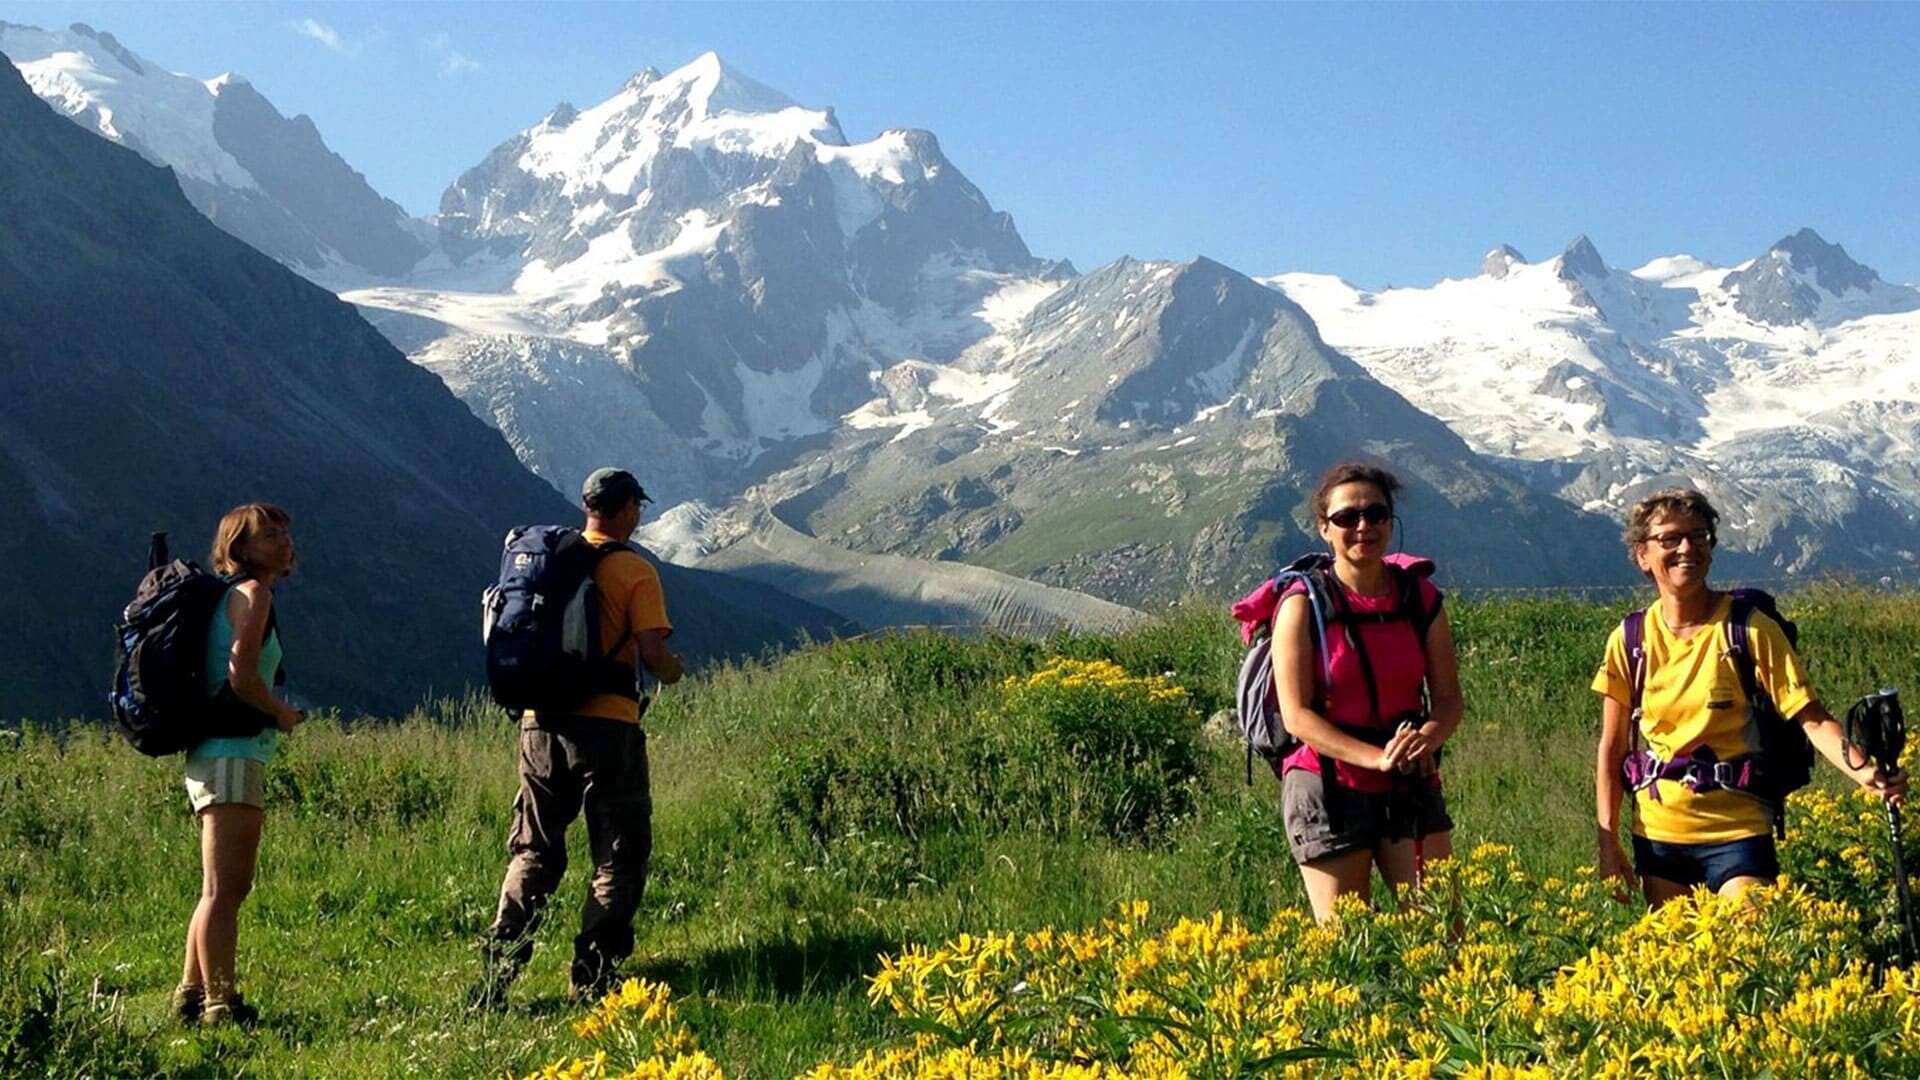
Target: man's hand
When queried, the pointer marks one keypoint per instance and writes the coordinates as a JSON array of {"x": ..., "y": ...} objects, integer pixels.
[{"x": 662, "y": 663}]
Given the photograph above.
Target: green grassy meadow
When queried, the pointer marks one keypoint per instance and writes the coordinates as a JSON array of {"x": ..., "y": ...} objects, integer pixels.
[{"x": 812, "y": 813}]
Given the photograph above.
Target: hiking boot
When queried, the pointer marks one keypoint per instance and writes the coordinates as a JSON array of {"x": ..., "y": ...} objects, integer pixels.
[
  {"x": 591, "y": 982},
  {"x": 497, "y": 972},
  {"x": 234, "y": 1010},
  {"x": 187, "y": 1003},
  {"x": 488, "y": 995}
]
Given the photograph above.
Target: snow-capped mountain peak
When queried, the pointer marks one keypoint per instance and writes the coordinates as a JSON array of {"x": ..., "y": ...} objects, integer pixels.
[
  {"x": 1829, "y": 264},
  {"x": 1582, "y": 260},
  {"x": 1501, "y": 261},
  {"x": 1670, "y": 268},
  {"x": 1803, "y": 278},
  {"x": 702, "y": 107},
  {"x": 726, "y": 248},
  {"x": 709, "y": 87},
  {"x": 102, "y": 85},
  {"x": 261, "y": 176}
]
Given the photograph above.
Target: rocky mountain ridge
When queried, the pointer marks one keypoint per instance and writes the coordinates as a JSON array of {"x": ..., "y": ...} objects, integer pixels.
[
  {"x": 267, "y": 179},
  {"x": 751, "y": 303}
]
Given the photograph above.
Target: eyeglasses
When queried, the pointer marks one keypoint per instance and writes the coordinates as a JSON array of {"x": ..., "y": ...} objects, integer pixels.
[
  {"x": 1349, "y": 516},
  {"x": 1668, "y": 541}
]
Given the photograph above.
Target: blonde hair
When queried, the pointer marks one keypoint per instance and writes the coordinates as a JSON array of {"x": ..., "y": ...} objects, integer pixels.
[{"x": 240, "y": 525}]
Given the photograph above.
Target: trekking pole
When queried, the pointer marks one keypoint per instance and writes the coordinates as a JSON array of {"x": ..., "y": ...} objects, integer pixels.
[
  {"x": 1402, "y": 788},
  {"x": 1877, "y": 725}
]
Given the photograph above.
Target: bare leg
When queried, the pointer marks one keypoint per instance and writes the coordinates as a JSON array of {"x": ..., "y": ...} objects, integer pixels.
[
  {"x": 1732, "y": 888},
  {"x": 1397, "y": 858},
  {"x": 229, "y": 850},
  {"x": 1334, "y": 876},
  {"x": 1661, "y": 892}
]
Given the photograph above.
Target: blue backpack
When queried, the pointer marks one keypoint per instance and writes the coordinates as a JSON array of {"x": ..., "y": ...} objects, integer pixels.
[
  {"x": 540, "y": 623},
  {"x": 1779, "y": 759}
]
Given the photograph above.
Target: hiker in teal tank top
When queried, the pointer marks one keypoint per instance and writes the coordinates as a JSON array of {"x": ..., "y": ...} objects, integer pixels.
[
  {"x": 259, "y": 747},
  {"x": 226, "y": 777}
]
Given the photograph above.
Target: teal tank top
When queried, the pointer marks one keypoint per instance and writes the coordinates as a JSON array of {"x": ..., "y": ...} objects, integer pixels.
[{"x": 259, "y": 747}]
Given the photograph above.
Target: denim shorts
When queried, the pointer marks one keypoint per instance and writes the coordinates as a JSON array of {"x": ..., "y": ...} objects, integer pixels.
[{"x": 1712, "y": 865}]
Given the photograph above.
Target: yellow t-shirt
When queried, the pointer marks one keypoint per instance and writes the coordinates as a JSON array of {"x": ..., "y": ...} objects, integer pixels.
[
  {"x": 630, "y": 598},
  {"x": 1693, "y": 698}
]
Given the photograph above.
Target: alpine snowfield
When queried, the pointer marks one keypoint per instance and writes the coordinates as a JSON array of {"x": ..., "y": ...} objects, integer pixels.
[{"x": 1789, "y": 375}]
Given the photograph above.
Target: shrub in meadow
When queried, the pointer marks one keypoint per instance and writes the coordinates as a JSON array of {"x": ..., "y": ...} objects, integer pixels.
[
  {"x": 1118, "y": 751},
  {"x": 1078, "y": 747}
]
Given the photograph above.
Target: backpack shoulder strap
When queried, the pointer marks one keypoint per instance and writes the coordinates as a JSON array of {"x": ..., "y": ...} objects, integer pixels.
[
  {"x": 1740, "y": 644},
  {"x": 601, "y": 552},
  {"x": 1412, "y": 605},
  {"x": 1313, "y": 586},
  {"x": 1337, "y": 601},
  {"x": 1633, "y": 632}
]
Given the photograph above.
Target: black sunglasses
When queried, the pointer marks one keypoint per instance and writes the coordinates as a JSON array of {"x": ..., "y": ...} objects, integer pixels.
[
  {"x": 1373, "y": 514},
  {"x": 1701, "y": 538}
]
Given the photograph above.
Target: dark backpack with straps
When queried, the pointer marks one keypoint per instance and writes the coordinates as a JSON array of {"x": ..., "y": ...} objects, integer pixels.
[
  {"x": 541, "y": 624},
  {"x": 1257, "y": 705},
  {"x": 159, "y": 697},
  {"x": 1779, "y": 760}
]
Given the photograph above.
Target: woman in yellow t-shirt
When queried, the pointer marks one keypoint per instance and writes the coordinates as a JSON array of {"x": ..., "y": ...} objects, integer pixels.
[{"x": 1706, "y": 829}]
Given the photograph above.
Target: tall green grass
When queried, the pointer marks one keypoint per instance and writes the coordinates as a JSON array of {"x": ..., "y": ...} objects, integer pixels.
[{"x": 812, "y": 812}]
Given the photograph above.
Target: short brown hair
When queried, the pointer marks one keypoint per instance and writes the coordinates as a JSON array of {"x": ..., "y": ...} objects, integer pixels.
[
  {"x": 1665, "y": 503},
  {"x": 1353, "y": 472},
  {"x": 239, "y": 526}
]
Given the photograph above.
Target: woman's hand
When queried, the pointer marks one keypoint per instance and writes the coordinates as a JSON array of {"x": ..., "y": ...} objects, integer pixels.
[
  {"x": 1423, "y": 743},
  {"x": 1612, "y": 863},
  {"x": 286, "y": 717},
  {"x": 1398, "y": 750},
  {"x": 1889, "y": 786}
]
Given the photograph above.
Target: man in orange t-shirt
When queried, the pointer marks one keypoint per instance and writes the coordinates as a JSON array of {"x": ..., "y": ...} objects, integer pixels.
[{"x": 592, "y": 758}]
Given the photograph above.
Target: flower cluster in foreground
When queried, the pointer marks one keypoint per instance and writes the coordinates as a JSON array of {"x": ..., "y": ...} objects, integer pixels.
[{"x": 1484, "y": 971}]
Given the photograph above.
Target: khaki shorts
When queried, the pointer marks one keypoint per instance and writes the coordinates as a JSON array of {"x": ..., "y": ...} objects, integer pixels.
[
  {"x": 1351, "y": 820},
  {"x": 223, "y": 781}
]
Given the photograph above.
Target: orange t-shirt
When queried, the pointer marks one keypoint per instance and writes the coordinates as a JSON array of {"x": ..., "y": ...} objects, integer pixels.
[{"x": 630, "y": 600}]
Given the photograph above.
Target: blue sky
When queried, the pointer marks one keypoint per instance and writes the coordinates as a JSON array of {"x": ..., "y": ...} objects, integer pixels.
[{"x": 1387, "y": 143}]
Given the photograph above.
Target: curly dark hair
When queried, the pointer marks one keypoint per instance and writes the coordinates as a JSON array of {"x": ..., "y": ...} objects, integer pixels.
[{"x": 1668, "y": 502}]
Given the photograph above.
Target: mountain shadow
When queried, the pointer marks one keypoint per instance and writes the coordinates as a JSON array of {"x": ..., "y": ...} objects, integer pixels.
[{"x": 155, "y": 371}]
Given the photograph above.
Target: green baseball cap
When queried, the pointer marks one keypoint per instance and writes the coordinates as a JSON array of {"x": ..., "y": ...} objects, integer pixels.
[{"x": 610, "y": 488}]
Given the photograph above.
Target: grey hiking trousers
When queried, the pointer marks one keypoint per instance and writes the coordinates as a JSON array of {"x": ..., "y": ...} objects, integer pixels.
[{"x": 569, "y": 764}]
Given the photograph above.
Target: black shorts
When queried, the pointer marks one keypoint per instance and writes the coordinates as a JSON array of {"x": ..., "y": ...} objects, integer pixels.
[{"x": 1319, "y": 826}]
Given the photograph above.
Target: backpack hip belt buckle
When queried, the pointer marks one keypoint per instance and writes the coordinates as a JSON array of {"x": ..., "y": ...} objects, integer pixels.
[{"x": 1642, "y": 769}]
